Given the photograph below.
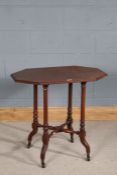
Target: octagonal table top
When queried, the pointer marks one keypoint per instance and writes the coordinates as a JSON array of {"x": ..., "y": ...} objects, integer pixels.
[{"x": 58, "y": 75}]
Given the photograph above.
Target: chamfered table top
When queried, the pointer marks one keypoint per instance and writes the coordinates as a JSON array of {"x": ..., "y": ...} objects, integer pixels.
[{"x": 58, "y": 75}]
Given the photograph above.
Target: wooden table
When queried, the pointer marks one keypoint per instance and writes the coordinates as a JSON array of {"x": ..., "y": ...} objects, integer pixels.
[{"x": 58, "y": 75}]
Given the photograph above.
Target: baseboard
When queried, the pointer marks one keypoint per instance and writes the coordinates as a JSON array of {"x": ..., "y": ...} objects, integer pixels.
[{"x": 58, "y": 113}]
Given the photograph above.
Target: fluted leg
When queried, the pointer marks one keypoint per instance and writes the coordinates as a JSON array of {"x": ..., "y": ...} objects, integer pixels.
[
  {"x": 35, "y": 116},
  {"x": 69, "y": 117},
  {"x": 82, "y": 134},
  {"x": 45, "y": 137}
]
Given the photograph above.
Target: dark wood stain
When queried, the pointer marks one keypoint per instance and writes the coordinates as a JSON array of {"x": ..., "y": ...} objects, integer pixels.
[{"x": 58, "y": 75}]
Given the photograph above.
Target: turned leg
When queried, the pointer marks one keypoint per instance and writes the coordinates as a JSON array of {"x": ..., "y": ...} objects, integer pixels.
[
  {"x": 45, "y": 137},
  {"x": 35, "y": 116},
  {"x": 69, "y": 115},
  {"x": 82, "y": 134}
]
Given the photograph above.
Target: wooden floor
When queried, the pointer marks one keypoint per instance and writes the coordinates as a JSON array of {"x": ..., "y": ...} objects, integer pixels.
[{"x": 58, "y": 113}]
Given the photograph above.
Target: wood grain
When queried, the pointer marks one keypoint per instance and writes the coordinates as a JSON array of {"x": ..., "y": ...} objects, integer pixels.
[
  {"x": 58, "y": 113},
  {"x": 58, "y": 75}
]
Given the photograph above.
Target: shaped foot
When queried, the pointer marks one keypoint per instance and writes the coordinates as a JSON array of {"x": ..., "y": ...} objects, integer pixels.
[
  {"x": 34, "y": 131},
  {"x": 85, "y": 144}
]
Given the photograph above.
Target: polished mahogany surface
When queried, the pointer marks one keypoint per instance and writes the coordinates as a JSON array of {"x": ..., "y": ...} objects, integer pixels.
[{"x": 58, "y": 75}]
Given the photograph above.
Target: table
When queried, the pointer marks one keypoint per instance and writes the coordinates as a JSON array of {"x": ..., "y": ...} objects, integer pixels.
[{"x": 58, "y": 75}]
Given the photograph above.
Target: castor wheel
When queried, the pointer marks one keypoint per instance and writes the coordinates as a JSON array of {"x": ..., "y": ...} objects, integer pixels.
[
  {"x": 28, "y": 145},
  {"x": 72, "y": 140},
  {"x": 88, "y": 158},
  {"x": 43, "y": 165}
]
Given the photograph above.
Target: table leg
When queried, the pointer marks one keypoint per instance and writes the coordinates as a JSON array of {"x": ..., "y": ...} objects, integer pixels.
[
  {"x": 45, "y": 137},
  {"x": 35, "y": 115},
  {"x": 82, "y": 134},
  {"x": 69, "y": 117}
]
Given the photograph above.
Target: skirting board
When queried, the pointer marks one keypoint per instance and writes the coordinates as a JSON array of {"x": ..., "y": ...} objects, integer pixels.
[{"x": 58, "y": 113}]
